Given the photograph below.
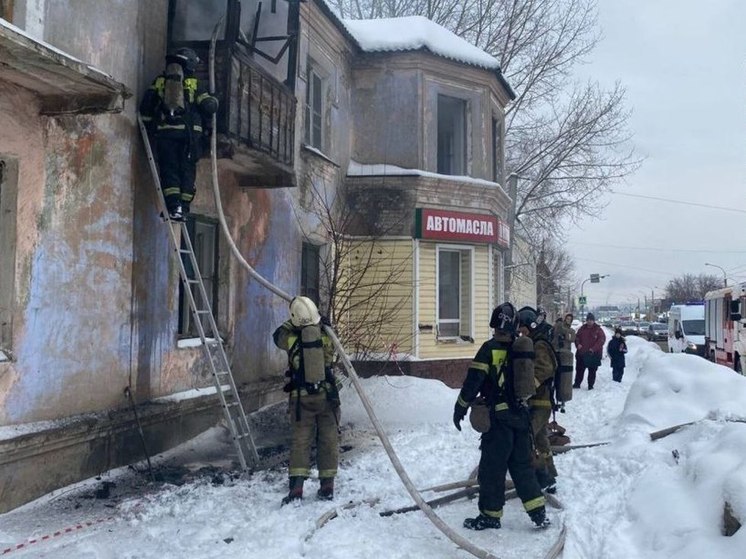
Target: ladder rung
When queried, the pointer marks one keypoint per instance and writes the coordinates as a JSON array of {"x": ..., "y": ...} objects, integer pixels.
[
  {"x": 185, "y": 251},
  {"x": 202, "y": 311},
  {"x": 192, "y": 281}
]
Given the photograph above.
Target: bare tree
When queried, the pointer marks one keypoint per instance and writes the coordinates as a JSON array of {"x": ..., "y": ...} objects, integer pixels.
[
  {"x": 689, "y": 287},
  {"x": 363, "y": 282},
  {"x": 567, "y": 141},
  {"x": 554, "y": 271}
]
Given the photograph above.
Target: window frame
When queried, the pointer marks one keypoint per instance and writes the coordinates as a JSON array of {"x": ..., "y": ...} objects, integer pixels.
[
  {"x": 310, "y": 252},
  {"x": 314, "y": 92},
  {"x": 447, "y": 164},
  {"x": 186, "y": 328},
  {"x": 463, "y": 313},
  {"x": 9, "y": 177}
]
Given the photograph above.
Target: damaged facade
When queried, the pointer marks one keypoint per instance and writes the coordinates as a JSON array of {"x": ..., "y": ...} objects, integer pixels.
[{"x": 90, "y": 301}]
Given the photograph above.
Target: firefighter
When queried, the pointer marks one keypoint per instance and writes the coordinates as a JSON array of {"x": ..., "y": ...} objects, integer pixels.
[
  {"x": 502, "y": 374},
  {"x": 177, "y": 111},
  {"x": 532, "y": 323},
  {"x": 313, "y": 398}
]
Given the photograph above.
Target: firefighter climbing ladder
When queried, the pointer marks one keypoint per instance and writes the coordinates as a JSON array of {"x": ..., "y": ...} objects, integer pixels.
[{"x": 205, "y": 323}]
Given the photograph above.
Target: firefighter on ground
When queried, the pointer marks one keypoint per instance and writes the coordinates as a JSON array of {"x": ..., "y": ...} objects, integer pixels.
[
  {"x": 178, "y": 111},
  {"x": 502, "y": 374},
  {"x": 533, "y": 323},
  {"x": 313, "y": 398}
]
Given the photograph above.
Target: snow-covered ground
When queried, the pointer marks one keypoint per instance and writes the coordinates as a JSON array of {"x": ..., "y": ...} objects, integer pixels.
[{"x": 631, "y": 499}]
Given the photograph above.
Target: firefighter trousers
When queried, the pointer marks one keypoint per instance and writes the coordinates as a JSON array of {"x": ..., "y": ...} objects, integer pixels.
[
  {"x": 177, "y": 166},
  {"x": 318, "y": 420},
  {"x": 507, "y": 448},
  {"x": 544, "y": 462}
]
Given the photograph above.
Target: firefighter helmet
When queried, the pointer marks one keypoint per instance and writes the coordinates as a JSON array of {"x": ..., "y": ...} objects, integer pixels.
[
  {"x": 186, "y": 57},
  {"x": 528, "y": 317},
  {"x": 503, "y": 317},
  {"x": 303, "y": 312}
]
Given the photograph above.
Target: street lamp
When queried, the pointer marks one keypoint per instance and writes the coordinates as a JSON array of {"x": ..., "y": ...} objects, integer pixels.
[
  {"x": 725, "y": 277},
  {"x": 593, "y": 278}
]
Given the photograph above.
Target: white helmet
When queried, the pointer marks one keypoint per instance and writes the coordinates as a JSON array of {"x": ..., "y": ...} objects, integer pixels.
[{"x": 303, "y": 312}]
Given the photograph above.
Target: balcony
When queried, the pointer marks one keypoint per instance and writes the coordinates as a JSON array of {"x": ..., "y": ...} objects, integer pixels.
[{"x": 256, "y": 120}]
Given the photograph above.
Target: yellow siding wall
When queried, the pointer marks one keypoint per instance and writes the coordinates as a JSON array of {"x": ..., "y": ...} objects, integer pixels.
[
  {"x": 379, "y": 282},
  {"x": 429, "y": 347}
]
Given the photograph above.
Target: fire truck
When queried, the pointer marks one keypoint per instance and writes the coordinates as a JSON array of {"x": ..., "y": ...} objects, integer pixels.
[{"x": 725, "y": 326}]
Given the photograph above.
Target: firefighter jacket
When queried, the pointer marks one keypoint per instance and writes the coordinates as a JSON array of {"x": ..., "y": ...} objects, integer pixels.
[
  {"x": 287, "y": 337},
  {"x": 191, "y": 123},
  {"x": 545, "y": 367},
  {"x": 490, "y": 375}
]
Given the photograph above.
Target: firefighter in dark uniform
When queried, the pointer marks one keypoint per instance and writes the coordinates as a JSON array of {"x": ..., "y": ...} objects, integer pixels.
[
  {"x": 533, "y": 323},
  {"x": 177, "y": 111},
  {"x": 314, "y": 398},
  {"x": 502, "y": 374}
]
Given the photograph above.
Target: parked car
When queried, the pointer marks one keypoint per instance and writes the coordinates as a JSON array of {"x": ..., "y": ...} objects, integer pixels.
[
  {"x": 657, "y": 332},
  {"x": 642, "y": 327},
  {"x": 629, "y": 328}
]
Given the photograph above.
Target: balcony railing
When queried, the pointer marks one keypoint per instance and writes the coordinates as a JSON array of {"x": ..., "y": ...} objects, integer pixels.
[{"x": 257, "y": 111}]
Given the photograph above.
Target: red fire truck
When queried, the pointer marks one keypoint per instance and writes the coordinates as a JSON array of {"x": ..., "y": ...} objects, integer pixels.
[{"x": 725, "y": 326}]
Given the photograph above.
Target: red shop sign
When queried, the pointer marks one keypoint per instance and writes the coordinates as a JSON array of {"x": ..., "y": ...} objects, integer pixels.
[{"x": 447, "y": 225}]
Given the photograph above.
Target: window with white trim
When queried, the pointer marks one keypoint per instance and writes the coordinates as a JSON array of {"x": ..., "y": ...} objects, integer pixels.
[
  {"x": 314, "y": 132},
  {"x": 455, "y": 298}
]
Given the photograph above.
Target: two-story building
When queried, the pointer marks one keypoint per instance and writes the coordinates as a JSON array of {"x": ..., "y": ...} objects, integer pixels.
[{"x": 364, "y": 173}]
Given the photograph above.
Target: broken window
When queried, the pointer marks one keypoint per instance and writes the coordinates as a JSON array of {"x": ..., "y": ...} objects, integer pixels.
[
  {"x": 204, "y": 235},
  {"x": 451, "y": 135},
  {"x": 8, "y": 198},
  {"x": 314, "y": 108}
]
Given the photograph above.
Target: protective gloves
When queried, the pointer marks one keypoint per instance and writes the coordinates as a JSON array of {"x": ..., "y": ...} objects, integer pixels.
[{"x": 459, "y": 412}]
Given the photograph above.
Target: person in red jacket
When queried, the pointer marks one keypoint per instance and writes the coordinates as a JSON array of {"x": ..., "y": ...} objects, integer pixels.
[{"x": 589, "y": 344}]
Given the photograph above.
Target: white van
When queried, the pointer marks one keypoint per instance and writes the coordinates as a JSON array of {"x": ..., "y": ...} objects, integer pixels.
[{"x": 686, "y": 328}]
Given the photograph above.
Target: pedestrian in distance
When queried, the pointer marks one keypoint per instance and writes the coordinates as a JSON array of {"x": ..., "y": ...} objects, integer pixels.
[
  {"x": 616, "y": 349},
  {"x": 532, "y": 323},
  {"x": 177, "y": 111},
  {"x": 501, "y": 379},
  {"x": 313, "y": 391},
  {"x": 589, "y": 345}
]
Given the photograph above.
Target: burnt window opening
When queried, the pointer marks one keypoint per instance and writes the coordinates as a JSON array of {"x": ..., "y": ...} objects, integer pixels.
[
  {"x": 195, "y": 20},
  {"x": 451, "y": 135},
  {"x": 6, "y": 10},
  {"x": 310, "y": 272},
  {"x": 203, "y": 233}
]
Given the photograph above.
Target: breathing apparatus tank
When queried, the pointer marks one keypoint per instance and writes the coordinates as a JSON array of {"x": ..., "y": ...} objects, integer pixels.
[
  {"x": 313, "y": 354},
  {"x": 523, "y": 368},
  {"x": 173, "y": 91}
]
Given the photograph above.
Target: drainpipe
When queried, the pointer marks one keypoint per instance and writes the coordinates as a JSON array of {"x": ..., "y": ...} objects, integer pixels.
[{"x": 512, "y": 184}]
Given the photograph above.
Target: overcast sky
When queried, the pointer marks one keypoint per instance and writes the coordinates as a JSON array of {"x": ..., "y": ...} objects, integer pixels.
[{"x": 683, "y": 63}]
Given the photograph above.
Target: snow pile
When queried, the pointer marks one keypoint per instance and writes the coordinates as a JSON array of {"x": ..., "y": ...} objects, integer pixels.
[
  {"x": 416, "y": 32},
  {"x": 631, "y": 499}
]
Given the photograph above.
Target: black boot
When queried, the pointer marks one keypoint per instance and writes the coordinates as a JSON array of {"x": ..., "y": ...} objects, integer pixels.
[
  {"x": 482, "y": 522},
  {"x": 296, "y": 490},
  {"x": 539, "y": 517},
  {"x": 326, "y": 491}
]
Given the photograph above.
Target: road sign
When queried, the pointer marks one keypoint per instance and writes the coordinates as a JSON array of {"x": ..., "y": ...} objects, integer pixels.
[
  {"x": 595, "y": 278},
  {"x": 582, "y": 300}
]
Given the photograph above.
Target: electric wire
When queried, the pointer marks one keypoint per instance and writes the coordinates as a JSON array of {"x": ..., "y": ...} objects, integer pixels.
[{"x": 682, "y": 202}]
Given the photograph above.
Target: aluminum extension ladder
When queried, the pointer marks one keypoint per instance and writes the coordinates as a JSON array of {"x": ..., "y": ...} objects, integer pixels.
[{"x": 213, "y": 346}]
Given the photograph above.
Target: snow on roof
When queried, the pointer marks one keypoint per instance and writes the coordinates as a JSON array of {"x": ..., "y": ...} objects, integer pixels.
[
  {"x": 356, "y": 169},
  {"x": 413, "y": 33}
]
